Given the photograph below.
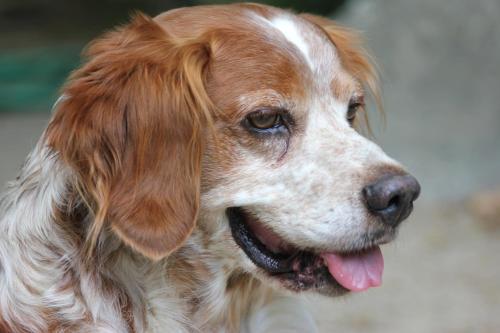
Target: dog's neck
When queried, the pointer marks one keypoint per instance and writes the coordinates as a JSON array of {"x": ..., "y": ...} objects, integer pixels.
[{"x": 47, "y": 283}]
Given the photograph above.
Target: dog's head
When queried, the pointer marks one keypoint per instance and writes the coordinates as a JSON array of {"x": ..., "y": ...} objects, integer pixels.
[{"x": 240, "y": 119}]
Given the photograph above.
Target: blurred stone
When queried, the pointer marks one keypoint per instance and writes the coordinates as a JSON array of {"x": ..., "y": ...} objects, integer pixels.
[{"x": 485, "y": 207}]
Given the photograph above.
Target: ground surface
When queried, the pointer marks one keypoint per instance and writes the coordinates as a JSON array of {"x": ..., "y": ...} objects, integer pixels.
[{"x": 441, "y": 80}]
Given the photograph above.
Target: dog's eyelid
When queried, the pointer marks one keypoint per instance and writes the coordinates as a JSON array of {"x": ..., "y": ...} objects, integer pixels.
[
  {"x": 356, "y": 104},
  {"x": 356, "y": 101},
  {"x": 268, "y": 110},
  {"x": 268, "y": 120}
]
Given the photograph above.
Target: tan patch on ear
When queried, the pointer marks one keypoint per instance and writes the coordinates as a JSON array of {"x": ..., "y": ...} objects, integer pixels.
[
  {"x": 353, "y": 55},
  {"x": 343, "y": 88},
  {"x": 355, "y": 59},
  {"x": 131, "y": 128}
]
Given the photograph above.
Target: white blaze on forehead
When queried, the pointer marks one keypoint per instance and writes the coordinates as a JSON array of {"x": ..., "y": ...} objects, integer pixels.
[
  {"x": 291, "y": 32},
  {"x": 319, "y": 53}
]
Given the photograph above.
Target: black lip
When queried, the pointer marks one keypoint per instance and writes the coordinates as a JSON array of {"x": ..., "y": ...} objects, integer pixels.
[{"x": 254, "y": 249}]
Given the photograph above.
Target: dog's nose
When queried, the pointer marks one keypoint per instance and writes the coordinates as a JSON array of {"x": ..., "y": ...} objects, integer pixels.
[{"x": 391, "y": 197}]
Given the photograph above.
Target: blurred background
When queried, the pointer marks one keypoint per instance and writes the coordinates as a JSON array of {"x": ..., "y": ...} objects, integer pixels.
[{"x": 440, "y": 64}]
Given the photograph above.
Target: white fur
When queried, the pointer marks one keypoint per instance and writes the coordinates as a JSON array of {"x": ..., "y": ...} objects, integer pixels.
[
  {"x": 289, "y": 29},
  {"x": 35, "y": 254},
  {"x": 36, "y": 257},
  {"x": 311, "y": 197}
]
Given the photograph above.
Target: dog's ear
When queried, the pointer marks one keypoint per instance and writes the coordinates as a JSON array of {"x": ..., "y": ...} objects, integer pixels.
[
  {"x": 352, "y": 53},
  {"x": 131, "y": 127},
  {"x": 349, "y": 45}
]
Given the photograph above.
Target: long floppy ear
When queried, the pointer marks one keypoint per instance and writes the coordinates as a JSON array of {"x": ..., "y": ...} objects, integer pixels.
[
  {"x": 353, "y": 55},
  {"x": 131, "y": 128}
]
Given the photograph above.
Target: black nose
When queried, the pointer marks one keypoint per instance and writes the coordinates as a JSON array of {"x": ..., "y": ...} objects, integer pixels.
[{"x": 391, "y": 197}]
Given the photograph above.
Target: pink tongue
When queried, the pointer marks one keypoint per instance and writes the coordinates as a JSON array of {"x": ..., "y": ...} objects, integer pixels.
[{"x": 356, "y": 272}]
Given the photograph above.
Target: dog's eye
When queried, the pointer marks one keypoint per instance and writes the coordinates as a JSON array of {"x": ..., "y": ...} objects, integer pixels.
[
  {"x": 351, "y": 112},
  {"x": 265, "y": 119},
  {"x": 354, "y": 106}
]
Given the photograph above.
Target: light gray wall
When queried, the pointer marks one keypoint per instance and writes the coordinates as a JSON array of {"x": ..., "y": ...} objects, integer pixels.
[{"x": 440, "y": 63}]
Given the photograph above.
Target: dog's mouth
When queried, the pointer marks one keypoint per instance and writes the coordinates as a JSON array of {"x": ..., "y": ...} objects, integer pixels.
[{"x": 304, "y": 269}]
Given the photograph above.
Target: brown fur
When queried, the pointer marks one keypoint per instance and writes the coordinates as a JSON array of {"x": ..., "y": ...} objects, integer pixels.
[
  {"x": 137, "y": 103},
  {"x": 149, "y": 123}
]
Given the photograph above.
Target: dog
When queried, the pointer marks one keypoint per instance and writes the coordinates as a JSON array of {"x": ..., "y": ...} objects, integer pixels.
[{"x": 200, "y": 170}]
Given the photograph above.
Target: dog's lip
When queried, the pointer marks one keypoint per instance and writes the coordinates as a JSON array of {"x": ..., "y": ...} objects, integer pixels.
[
  {"x": 277, "y": 257},
  {"x": 270, "y": 239},
  {"x": 259, "y": 253}
]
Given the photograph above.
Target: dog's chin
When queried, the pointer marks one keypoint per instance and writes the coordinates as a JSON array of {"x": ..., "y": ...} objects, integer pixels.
[{"x": 291, "y": 267}]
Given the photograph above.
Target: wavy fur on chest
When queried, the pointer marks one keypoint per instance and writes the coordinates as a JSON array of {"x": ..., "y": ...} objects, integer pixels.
[{"x": 47, "y": 285}]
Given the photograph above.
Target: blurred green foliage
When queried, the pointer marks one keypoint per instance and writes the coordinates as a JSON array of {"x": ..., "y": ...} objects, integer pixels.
[
  {"x": 41, "y": 40},
  {"x": 30, "y": 78}
]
